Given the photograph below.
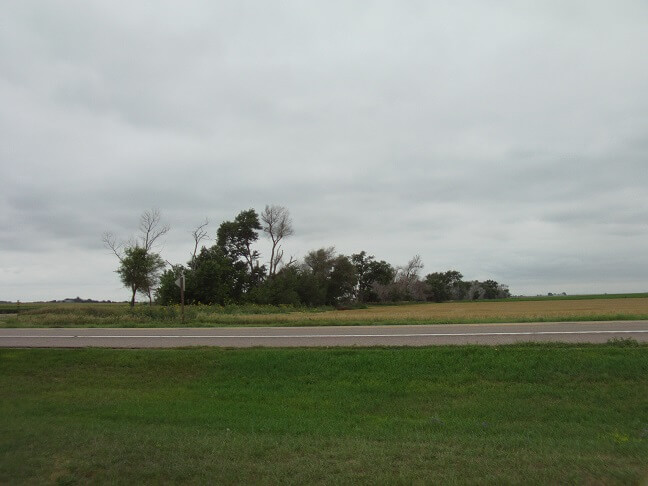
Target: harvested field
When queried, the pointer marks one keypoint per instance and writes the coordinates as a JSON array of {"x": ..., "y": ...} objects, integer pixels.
[
  {"x": 512, "y": 309},
  {"x": 457, "y": 312}
]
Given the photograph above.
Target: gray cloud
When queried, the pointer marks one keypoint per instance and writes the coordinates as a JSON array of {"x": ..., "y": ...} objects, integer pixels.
[{"x": 504, "y": 140}]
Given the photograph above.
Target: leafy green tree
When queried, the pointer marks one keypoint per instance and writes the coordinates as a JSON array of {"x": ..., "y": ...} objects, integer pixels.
[
  {"x": 312, "y": 288},
  {"x": 369, "y": 273},
  {"x": 342, "y": 281},
  {"x": 237, "y": 237},
  {"x": 488, "y": 289},
  {"x": 214, "y": 278},
  {"x": 494, "y": 290},
  {"x": 140, "y": 270},
  {"x": 381, "y": 272},
  {"x": 281, "y": 288},
  {"x": 320, "y": 262},
  {"x": 314, "y": 275},
  {"x": 443, "y": 286},
  {"x": 168, "y": 292},
  {"x": 327, "y": 278}
]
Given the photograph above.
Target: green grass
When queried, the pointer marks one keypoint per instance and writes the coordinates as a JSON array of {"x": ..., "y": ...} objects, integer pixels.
[
  {"x": 528, "y": 414},
  {"x": 16, "y": 308}
]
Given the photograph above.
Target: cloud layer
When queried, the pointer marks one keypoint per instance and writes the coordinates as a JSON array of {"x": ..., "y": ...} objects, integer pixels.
[{"x": 508, "y": 141}]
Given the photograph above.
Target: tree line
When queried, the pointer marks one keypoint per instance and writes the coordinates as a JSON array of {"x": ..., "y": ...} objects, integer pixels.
[{"x": 231, "y": 270}]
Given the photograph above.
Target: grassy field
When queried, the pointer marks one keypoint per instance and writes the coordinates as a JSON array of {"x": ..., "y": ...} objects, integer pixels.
[
  {"x": 525, "y": 414},
  {"x": 119, "y": 315},
  {"x": 14, "y": 308}
]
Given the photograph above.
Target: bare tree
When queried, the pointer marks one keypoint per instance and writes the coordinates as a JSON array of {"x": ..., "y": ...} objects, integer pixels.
[
  {"x": 408, "y": 278},
  {"x": 199, "y": 234},
  {"x": 278, "y": 258},
  {"x": 277, "y": 224},
  {"x": 291, "y": 262},
  {"x": 110, "y": 241},
  {"x": 411, "y": 270},
  {"x": 150, "y": 228}
]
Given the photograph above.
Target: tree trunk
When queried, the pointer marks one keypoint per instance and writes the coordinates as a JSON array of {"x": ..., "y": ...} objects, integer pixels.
[
  {"x": 271, "y": 270},
  {"x": 248, "y": 257},
  {"x": 132, "y": 302}
]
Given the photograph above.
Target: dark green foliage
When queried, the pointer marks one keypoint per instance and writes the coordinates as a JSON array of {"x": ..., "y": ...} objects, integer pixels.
[
  {"x": 444, "y": 286},
  {"x": 214, "y": 278},
  {"x": 320, "y": 262},
  {"x": 491, "y": 289},
  {"x": 168, "y": 292},
  {"x": 341, "y": 282},
  {"x": 371, "y": 272},
  {"x": 228, "y": 272},
  {"x": 311, "y": 288},
  {"x": 326, "y": 278},
  {"x": 281, "y": 288},
  {"x": 381, "y": 272},
  {"x": 314, "y": 276},
  {"x": 236, "y": 238}
]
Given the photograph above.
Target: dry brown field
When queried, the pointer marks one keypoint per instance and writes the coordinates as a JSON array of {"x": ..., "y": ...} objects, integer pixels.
[
  {"x": 118, "y": 315},
  {"x": 514, "y": 311}
]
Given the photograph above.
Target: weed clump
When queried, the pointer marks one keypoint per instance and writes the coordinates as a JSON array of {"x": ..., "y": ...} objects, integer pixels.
[{"x": 623, "y": 342}]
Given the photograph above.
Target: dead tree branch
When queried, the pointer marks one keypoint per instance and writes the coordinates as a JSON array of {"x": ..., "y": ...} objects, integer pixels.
[
  {"x": 150, "y": 228},
  {"x": 199, "y": 234}
]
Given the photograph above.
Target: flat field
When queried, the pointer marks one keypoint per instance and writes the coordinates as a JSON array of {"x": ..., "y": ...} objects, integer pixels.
[
  {"x": 119, "y": 315},
  {"x": 484, "y": 311},
  {"x": 531, "y": 414}
]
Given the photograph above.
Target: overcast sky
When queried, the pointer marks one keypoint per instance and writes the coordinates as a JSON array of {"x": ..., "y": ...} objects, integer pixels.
[{"x": 503, "y": 139}]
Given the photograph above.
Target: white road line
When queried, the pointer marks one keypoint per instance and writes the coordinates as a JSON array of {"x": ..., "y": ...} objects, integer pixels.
[{"x": 310, "y": 336}]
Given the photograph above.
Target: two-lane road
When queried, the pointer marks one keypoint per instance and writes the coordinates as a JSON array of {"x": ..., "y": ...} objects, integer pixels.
[{"x": 417, "y": 335}]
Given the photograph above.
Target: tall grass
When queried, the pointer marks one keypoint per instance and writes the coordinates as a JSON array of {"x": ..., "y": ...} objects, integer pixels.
[{"x": 142, "y": 315}]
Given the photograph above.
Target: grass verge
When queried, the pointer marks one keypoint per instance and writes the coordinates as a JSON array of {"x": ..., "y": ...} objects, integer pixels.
[{"x": 543, "y": 414}]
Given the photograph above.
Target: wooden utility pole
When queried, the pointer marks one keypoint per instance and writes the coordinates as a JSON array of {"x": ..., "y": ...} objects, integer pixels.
[
  {"x": 180, "y": 282},
  {"x": 182, "y": 289}
]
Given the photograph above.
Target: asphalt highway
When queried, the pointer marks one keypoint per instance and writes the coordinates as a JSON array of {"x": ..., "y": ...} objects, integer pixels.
[{"x": 406, "y": 335}]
